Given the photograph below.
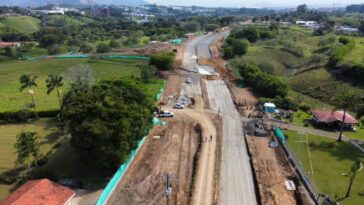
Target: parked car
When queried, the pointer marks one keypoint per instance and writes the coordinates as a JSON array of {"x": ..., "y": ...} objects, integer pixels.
[
  {"x": 178, "y": 106},
  {"x": 166, "y": 114},
  {"x": 188, "y": 80}
]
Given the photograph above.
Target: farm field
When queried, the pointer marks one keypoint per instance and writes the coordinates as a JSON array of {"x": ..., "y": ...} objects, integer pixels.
[
  {"x": 13, "y": 99},
  {"x": 330, "y": 161},
  {"x": 24, "y": 24}
]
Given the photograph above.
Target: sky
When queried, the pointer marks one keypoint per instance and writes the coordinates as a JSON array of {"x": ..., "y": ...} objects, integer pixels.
[{"x": 256, "y": 3}]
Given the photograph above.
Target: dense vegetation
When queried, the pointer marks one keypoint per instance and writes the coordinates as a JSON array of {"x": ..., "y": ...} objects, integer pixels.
[
  {"x": 162, "y": 60},
  {"x": 266, "y": 84},
  {"x": 110, "y": 117}
]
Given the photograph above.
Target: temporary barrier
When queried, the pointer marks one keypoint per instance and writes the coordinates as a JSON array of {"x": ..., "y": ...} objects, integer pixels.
[
  {"x": 73, "y": 56},
  {"x": 117, "y": 176},
  {"x": 159, "y": 95},
  {"x": 127, "y": 57},
  {"x": 278, "y": 132}
]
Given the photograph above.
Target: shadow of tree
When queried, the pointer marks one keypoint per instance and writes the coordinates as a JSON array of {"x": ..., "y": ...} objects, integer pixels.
[{"x": 338, "y": 150}]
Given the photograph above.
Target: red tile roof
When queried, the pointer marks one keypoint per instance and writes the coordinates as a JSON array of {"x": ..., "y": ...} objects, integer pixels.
[
  {"x": 327, "y": 116},
  {"x": 39, "y": 192}
]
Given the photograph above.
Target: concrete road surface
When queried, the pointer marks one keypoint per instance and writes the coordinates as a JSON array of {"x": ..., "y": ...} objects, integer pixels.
[{"x": 236, "y": 180}]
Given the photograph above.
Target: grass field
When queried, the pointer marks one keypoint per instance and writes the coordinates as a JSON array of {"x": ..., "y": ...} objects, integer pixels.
[
  {"x": 12, "y": 99},
  {"x": 62, "y": 159},
  {"x": 24, "y": 24},
  {"x": 356, "y": 55},
  {"x": 329, "y": 160}
]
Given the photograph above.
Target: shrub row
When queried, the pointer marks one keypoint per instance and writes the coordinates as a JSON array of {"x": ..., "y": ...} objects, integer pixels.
[
  {"x": 24, "y": 115},
  {"x": 267, "y": 85}
]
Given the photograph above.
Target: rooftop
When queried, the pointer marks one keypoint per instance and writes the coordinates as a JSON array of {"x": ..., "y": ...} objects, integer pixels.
[{"x": 39, "y": 192}]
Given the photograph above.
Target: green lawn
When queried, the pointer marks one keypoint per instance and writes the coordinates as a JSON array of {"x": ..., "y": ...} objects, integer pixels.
[
  {"x": 63, "y": 160},
  {"x": 25, "y": 24},
  {"x": 12, "y": 99},
  {"x": 329, "y": 163}
]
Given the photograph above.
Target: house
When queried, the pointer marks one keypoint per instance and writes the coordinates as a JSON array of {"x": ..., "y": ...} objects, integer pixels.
[
  {"x": 10, "y": 44},
  {"x": 346, "y": 29},
  {"x": 327, "y": 117},
  {"x": 40, "y": 192}
]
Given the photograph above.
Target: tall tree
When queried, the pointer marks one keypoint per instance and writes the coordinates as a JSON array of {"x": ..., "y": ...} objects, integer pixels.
[
  {"x": 346, "y": 101},
  {"x": 81, "y": 77},
  {"x": 28, "y": 81},
  {"x": 357, "y": 166},
  {"x": 54, "y": 81},
  {"x": 27, "y": 144}
]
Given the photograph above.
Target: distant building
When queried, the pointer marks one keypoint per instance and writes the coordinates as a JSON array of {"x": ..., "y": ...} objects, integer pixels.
[
  {"x": 40, "y": 192},
  {"x": 346, "y": 29},
  {"x": 10, "y": 44},
  {"x": 308, "y": 24}
]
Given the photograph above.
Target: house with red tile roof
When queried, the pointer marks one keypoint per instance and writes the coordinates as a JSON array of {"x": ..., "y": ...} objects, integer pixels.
[
  {"x": 40, "y": 192},
  {"x": 331, "y": 118}
]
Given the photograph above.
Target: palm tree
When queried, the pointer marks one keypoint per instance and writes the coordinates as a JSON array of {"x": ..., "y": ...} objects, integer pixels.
[
  {"x": 357, "y": 166},
  {"x": 54, "y": 81},
  {"x": 28, "y": 81},
  {"x": 346, "y": 101}
]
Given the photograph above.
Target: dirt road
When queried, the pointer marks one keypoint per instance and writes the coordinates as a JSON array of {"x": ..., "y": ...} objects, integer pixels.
[{"x": 236, "y": 179}]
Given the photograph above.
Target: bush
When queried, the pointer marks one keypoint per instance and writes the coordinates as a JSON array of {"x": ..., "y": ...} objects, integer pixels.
[
  {"x": 86, "y": 48},
  {"x": 162, "y": 60},
  {"x": 211, "y": 27},
  {"x": 304, "y": 108},
  {"x": 22, "y": 116},
  {"x": 102, "y": 48},
  {"x": 114, "y": 44},
  {"x": 6, "y": 179},
  {"x": 54, "y": 49}
]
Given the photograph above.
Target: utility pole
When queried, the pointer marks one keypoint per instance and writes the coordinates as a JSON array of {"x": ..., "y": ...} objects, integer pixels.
[{"x": 168, "y": 189}]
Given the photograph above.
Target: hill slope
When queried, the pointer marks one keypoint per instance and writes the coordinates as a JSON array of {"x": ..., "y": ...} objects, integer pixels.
[{"x": 25, "y": 24}]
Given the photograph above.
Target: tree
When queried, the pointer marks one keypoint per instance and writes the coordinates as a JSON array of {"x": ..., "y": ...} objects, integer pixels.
[
  {"x": 191, "y": 26},
  {"x": 86, "y": 48},
  {"x": 251, "y": 33},
  {"x": 28, "y": 81},
  {"x": 240, "y": 47},
  {"x": 11, "y": 52},
  {"x": 49, "y": 40},
  {"x": 54, "y": 81},
  {"x": 81, "y": 77},
  {"x": 346, "y": 101},
  {"x": 27, "y": 144},
  {"x": 106, "y": 121},
  {"x": 331, "y": 39},
  {"x": 102, "y": 48},
  {"x": 361, "y": 27},
  {"x": 146, "y": 73},
  {"x": 114, "y": 44},
  {"x": 357, "y": 166},
  {"x": 162, "y": 60}
]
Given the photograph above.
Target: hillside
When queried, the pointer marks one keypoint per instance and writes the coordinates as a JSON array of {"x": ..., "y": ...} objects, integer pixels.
[{"x": 25, "y": 24}]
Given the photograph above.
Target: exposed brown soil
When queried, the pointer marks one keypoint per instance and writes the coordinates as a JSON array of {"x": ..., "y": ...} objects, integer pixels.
[
  {"x": 270, "y": 175},
  {"x": 172, "y": 89},
  {"x": 172, "y": 153}
]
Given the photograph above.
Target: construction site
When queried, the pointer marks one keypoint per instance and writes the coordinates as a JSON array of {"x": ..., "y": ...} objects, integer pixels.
[{"x": 202, "y": 155}]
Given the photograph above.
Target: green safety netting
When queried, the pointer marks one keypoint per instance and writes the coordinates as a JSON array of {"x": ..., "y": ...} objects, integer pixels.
[
  {"x": 279, "y": 134},
  {"x": 127, "y": 57}
]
